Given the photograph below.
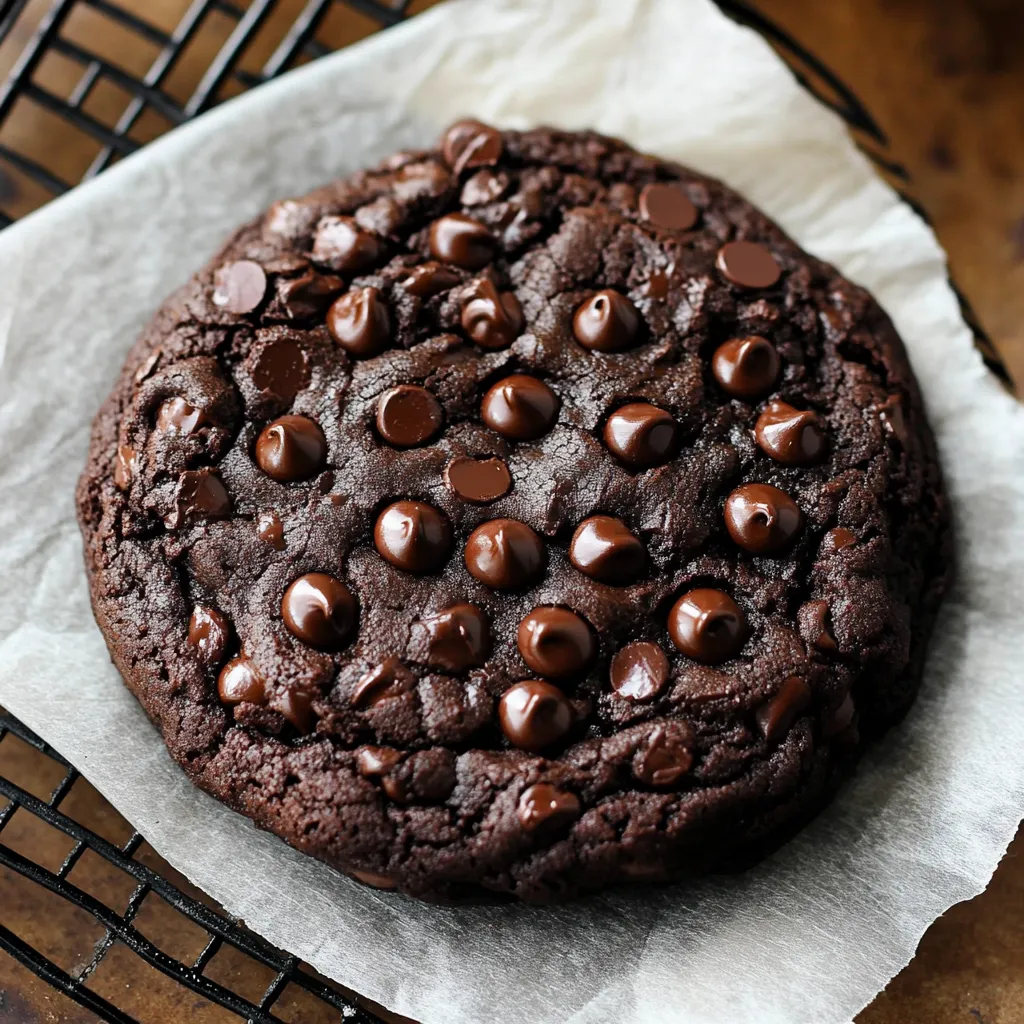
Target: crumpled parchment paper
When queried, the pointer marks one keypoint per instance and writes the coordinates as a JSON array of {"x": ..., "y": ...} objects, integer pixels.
[{"x": 809, "y": 936}]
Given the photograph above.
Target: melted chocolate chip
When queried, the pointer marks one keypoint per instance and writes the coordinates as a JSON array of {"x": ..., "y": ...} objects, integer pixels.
[
  {"x": 430, "y": 279},
  {"x": 746, "y": 367},
  {"x": 199, "y": 495},
  {"x": 639, "y": 671},
  {"x": 520, "y": 408},
  {"x": 664, "y": 756},
  {"x": 459, "y": 638},
  {"x": 342, "y": 244},
  {"x": 893, "y": 420},
  {"x": 666, "y": 205},
  {"x": 789, "y": 435},
  {"x": 542, "y": 807},
  {"x": 505, "y": 554},
  {"x": 707, "y": 625},
  {"x": 296, "y": 707},
  {"x": 372, "y": 762},
  {"x": 240, "y": 681},
  {"x": 642, "y": 435},
  {"x": 360, "y": 323},
  {"x": 534, "y": 715},
  {"x": 291, "y": 448},
  {"x": 838, "y": 718},
  {"x": 837, "y": 539},
  {"x": 307, "y": 295},
  {"x": 408, "y": 415},
  {"x": 373, "y": 879},
  {"x": 124, "y": 467},
  {"x": 209, "y": 632},
  {"x": 470, "y": 143},
  {"x": 604, "y": 549},
  {"x": 748, "y": 264},
  {"x": 556, "y": 642},
  {"x": 320, "y": 610},
  {"x": 762, "y": 519},
  {"x": 479, "y": 481},
  {"x": 491, "y": 318},
  {"x": 456, "y": 238},
  {"x": 816, "y": 626},
  {"x": 483, "y": 187},
  {"x": 176, "y": 416},
  {"x": 388, "y": 679},
  {"x": 269, "y": 529},
  {"x": 282, "y": 368},
  {"x": 413, "y": 536},
  {"x": 775, "y": 718},
  {"x": 239, "y": 287},
  {"x": 607, "y": 322}
]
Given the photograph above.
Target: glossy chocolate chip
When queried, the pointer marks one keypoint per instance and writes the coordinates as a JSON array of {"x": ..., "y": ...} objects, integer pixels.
[
  {"x": 607, "y": 322},
  {"x": 520, "y": 408},
  {"x": 605, "y": 549},
  {"x": 838, "y": 718},
  {"x": 176, "y": 416},
  {"x": 639, "y": 671},
  {"x": 239, "y": 287},
  {"x": 542, "y": 807},
  {"x": 816, "y": 626},
  {"x": 789, "y": 435},
  {"x": 491, "y": 318},
  {"x": 746, "y": 367},
  {"x": 666, "y": 205},
  {"x": 408, "y": 415},
  {"x": 664, "y": 756},
  {"x": 209, "y": 632},
  {"x": 413, "y": 536},
  {"x": 775, "y": 718},
  {"x": 372, "y": 762},
  {"x": 320, "y": 610},
  {"x": 360, "y": 323},
  {"x": 505, "y": 554},
  {"x": 270, "y": 529},
  {"x": 837, "y": 539},
  {"x": 641, "y": 435},
  {"x": 296, "y": 706},
  {"x": 388, "y": 679},
  {"x": 534, "y": 715},
  {"x": 762, "y": 519},
  {"x": 282, "y": 368},
  {"x": 124, "y": 467},
  {"x": 307, "y": 295},
  {"x": 343, "y": 245},
  {"x": 555, "y": 642},
  {"x": 456, "y": 238},
  {"x": 291, "y": 448},
  {"x": 470, "y": 143},
  {"x": 198, "y": 495},
  {"x": 748, "y": 264},
  {"x": 707, "y": 625},
  {"x": 894, "y": 422},
  {"x": 430, "y": 279},
  {"x": 479, "y": 481},
  {"x": 458, "y": 638},
  {"x": 240, "y": 682}
]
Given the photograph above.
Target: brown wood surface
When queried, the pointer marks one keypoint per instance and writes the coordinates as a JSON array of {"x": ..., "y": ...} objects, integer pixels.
[{"x": 945, "y": 80}]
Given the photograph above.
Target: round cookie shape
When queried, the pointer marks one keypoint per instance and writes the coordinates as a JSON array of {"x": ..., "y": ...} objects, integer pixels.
[{"x": 517, "y": 507}]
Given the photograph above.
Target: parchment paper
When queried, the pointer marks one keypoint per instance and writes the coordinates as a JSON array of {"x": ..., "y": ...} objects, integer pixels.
[{"x": 812, "y": 934}]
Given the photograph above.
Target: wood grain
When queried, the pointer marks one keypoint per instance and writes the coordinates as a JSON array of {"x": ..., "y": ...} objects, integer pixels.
[{"x": 945, "y": 80}]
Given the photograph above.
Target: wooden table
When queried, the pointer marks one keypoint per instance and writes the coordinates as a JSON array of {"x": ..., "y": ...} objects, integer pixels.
[{"x": 945, "y": 79}]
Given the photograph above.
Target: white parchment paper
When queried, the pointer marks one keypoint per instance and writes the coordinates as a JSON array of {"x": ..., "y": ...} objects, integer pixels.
[{"x": 809, "y": 936}]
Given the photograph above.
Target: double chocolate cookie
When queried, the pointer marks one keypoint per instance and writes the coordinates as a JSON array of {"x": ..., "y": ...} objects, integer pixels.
[{"x": 522, "y": 516}]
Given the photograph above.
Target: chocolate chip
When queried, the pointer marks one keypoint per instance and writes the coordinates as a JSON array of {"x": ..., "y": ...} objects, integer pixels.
[
  {"x": 148, "y": 365},
  {"x": 240, "y": 681},
  {"x": 544, "y": 808},
  {"x": 746, "y": 367},
  {"x": 456, "y": 238},
  {"x": 320, "y": 610},
  {"x": 816, "y": 626},
  {"x": 505, "y": 554},
  {"x": 342, "y": 244},
  {"x": 360, "y": 323},
  {"x": 748, "y": 264},
  {"x": 607, "y": 322},
  {"x": 479, "y": 481},
  {"x": 239, "y": 287},
  {"x": 124, "y": 467},
  {"x": 664, "y": 756},
  {"x": 520, "y": 408},
  {"x": 291, "y": 448},
  {"x": 837, "y": 539},
  {"x": 707, "y": 625},
  {"x": 775, "y": 718},
  {"x": 491, "y": 318},
  {"x": 408, "y": 415},
  {"x": 388, "y": 679},
  {"x": 667, "y": 206},
  {"x": 308, "y": 295},
  {"x": 430, "y": 279},
  {"x": 762, "y": 519},
  {"x": 534, "y": 715},
  {"x": 483, "y": 187},
  {"x": 373, "y": 879},
  {"x": 642, "y": 435},
  {"x": 458, "y": 638},
  {"x": 556, "y": 642},
  {"x": 639, "y": 671},
  {"x": 413, "y": 536},
  {"x": 838, "y": 718},
  {"x": 282, "y": 368},
  {"x": 789, "y": 435},
  {"x": 372, "y": 762},
  {"x": 296, "y": 707},
  {"x": 209, "y": 632},
  {"x": 470, "y": 143},
  {"x": 270, "y": 530},
  {"x": 176, "y": 416},
  {"x": 893, "y": 420},
  {"x": 198, "y": 495},
  {"x": 604, "y": 549}
]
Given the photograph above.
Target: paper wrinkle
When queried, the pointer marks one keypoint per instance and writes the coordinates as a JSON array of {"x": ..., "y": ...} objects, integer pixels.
[{"x": 810, "y": 935}]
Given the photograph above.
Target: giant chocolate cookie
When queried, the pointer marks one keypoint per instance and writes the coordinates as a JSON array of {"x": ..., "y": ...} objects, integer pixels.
[{"x": 525, "y": 515}]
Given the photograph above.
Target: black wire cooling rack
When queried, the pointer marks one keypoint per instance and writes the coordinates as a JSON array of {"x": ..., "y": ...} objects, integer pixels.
[{"x": 246, "y": 42}]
